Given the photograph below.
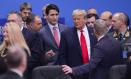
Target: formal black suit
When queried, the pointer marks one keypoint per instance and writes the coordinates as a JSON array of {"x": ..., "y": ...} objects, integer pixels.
[
  {"x": 10, "y": 75},
  {"x": 32, "y": 40},
  {"x": 30, "y": 37},
  {"x": 106, "y": 54},
  {"x": 70, "y": 50}
]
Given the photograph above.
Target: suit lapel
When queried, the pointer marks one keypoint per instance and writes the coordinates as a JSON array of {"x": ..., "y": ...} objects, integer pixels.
[
  {"x": 76, "y": 39},
  {"x": 93, "y": 39}
]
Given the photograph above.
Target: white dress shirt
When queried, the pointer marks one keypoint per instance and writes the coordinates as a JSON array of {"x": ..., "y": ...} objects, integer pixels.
[{"x": 86, "y": 35}]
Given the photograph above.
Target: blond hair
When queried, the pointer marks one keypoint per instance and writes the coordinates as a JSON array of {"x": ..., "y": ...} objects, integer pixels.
[
  {"x": 15, "y": 36},
  {"x": 79, "y": 12}
]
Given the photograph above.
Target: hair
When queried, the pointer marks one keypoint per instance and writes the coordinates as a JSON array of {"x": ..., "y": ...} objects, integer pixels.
[
  {"x": 33, "y": 21},
  {"x": 15, "y": 12},
  {"x": 25, "y": 6},
  {"x": 79, "y": 12},
  {"x": 92, "y": 15},
  {"x": 44, "y": 8},
  {"x": 15, "y": 36},
  {"x": 123, "y": 17},
  {"x": 91, "y": 11},
  {"x": 34, "y": 17},
  {"x": 51, "y": 7},
  {"x": 107, "y": 13},
  {"x": 14, "y": 56},
  {"x": 100, "y": 27}
]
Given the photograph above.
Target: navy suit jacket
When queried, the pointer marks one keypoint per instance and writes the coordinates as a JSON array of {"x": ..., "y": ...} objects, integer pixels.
[
  {"x": 70, "y": 51},
  {"x": 106, "y": 54},
  {"x": 29, "y": 37},
  {"x": 10, "y": 75}
]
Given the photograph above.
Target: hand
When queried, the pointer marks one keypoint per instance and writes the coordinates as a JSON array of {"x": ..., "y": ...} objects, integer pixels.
[
  {"x": 49, "y": 54},
  {"x": 129, "y": 57},
  {"x": 66, "y": 69}
]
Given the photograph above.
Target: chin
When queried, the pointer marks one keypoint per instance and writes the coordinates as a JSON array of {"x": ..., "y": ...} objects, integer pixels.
[{"x": 6, "y": 40}]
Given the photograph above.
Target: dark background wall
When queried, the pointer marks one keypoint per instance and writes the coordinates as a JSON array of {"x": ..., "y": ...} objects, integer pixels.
[{"x": 67, "y": 6}]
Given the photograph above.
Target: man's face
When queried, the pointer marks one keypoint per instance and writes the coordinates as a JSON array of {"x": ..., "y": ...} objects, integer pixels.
[
  {"x": 52, "y": 17},
  {"x": 106, "y": 19},
  {"x": 116, "y": 23},
  {"x": 90, "y": 21},
  {"x": 25, "y": 14},
  {"x": 37, "y": 23},
  {"x": 13, "y": 18},
  {"x": 79, "y": 21}
]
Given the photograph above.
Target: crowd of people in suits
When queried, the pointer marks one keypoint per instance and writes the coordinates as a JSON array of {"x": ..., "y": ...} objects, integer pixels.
[{"x": 94, "y": 48}]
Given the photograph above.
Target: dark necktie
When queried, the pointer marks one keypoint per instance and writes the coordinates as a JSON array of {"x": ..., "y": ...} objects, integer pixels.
[
  {"x": 56, "y": 36},
  {"x": 84, "y": 48},
  {"x": 120, "y": 37}
]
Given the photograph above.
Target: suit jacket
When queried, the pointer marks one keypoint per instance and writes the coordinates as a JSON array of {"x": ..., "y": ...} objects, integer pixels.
[
  {"x": 110, "y": 29},
  {"x": 29, "y": 37},
  {"x": 118, "y": 72},
  {"x": 32, "y": 39},
  {"x": 10, "y": 75},
  {"x": 70, "y": 51},
  {"x": 106, "y": 54},
  {"x": 128, "y": 70},
  {"x": 48, "y": 43}
]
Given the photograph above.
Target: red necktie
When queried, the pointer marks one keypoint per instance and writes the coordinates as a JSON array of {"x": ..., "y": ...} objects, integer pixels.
[
  {"x": 56, "y": 37},
  {"x": 84, "y": 48}
]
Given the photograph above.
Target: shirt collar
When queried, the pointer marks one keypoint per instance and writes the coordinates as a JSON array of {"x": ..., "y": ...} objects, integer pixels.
[
  {"x": 17, "y": 71},
  {"x": 51, "y": 26},
  {"x": 123, "y": 33},
  {"x": 101, "y": 37},
  {"x": 21, "y": 28},
  {"x": 84, "y": 29}
]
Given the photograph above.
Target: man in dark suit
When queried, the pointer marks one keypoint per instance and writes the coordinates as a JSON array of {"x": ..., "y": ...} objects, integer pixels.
[
  {"x": 106, "y": 53},
  {"x": 71, "y": 52},
  {"x": 16, "y": 60},
  {"x": 31, "y": 38},
  {"x": 28, "y": 35},
  {"x": 107, "y": 17},
  {"x": 50, "y": 35}
]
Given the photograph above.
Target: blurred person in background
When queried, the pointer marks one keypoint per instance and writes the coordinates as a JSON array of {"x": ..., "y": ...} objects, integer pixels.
[
  {"x": 16, "y": 61},
  {"x": 107, "y": 17},
  {"x": 12, "y": 35}
]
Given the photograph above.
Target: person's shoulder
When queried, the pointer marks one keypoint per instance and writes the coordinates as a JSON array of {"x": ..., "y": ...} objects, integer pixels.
[
  {"x": 112, "y": 40},
  {"x": 68, "y": 29},
  {"x": 43, "y": 28}
]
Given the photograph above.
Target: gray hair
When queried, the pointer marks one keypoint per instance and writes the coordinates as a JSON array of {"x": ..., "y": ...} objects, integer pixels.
[
  {"x": 79, "y": 12},
  {"x": 100, "y": 27},
  {"x": 123, "y": 17}
]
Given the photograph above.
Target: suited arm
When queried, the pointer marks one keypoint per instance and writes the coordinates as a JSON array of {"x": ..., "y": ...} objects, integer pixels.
[
  {"x": 34, "y": 59},
  {"x": 96, "y": 58},
  {"x": 62, "y": 51}
]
